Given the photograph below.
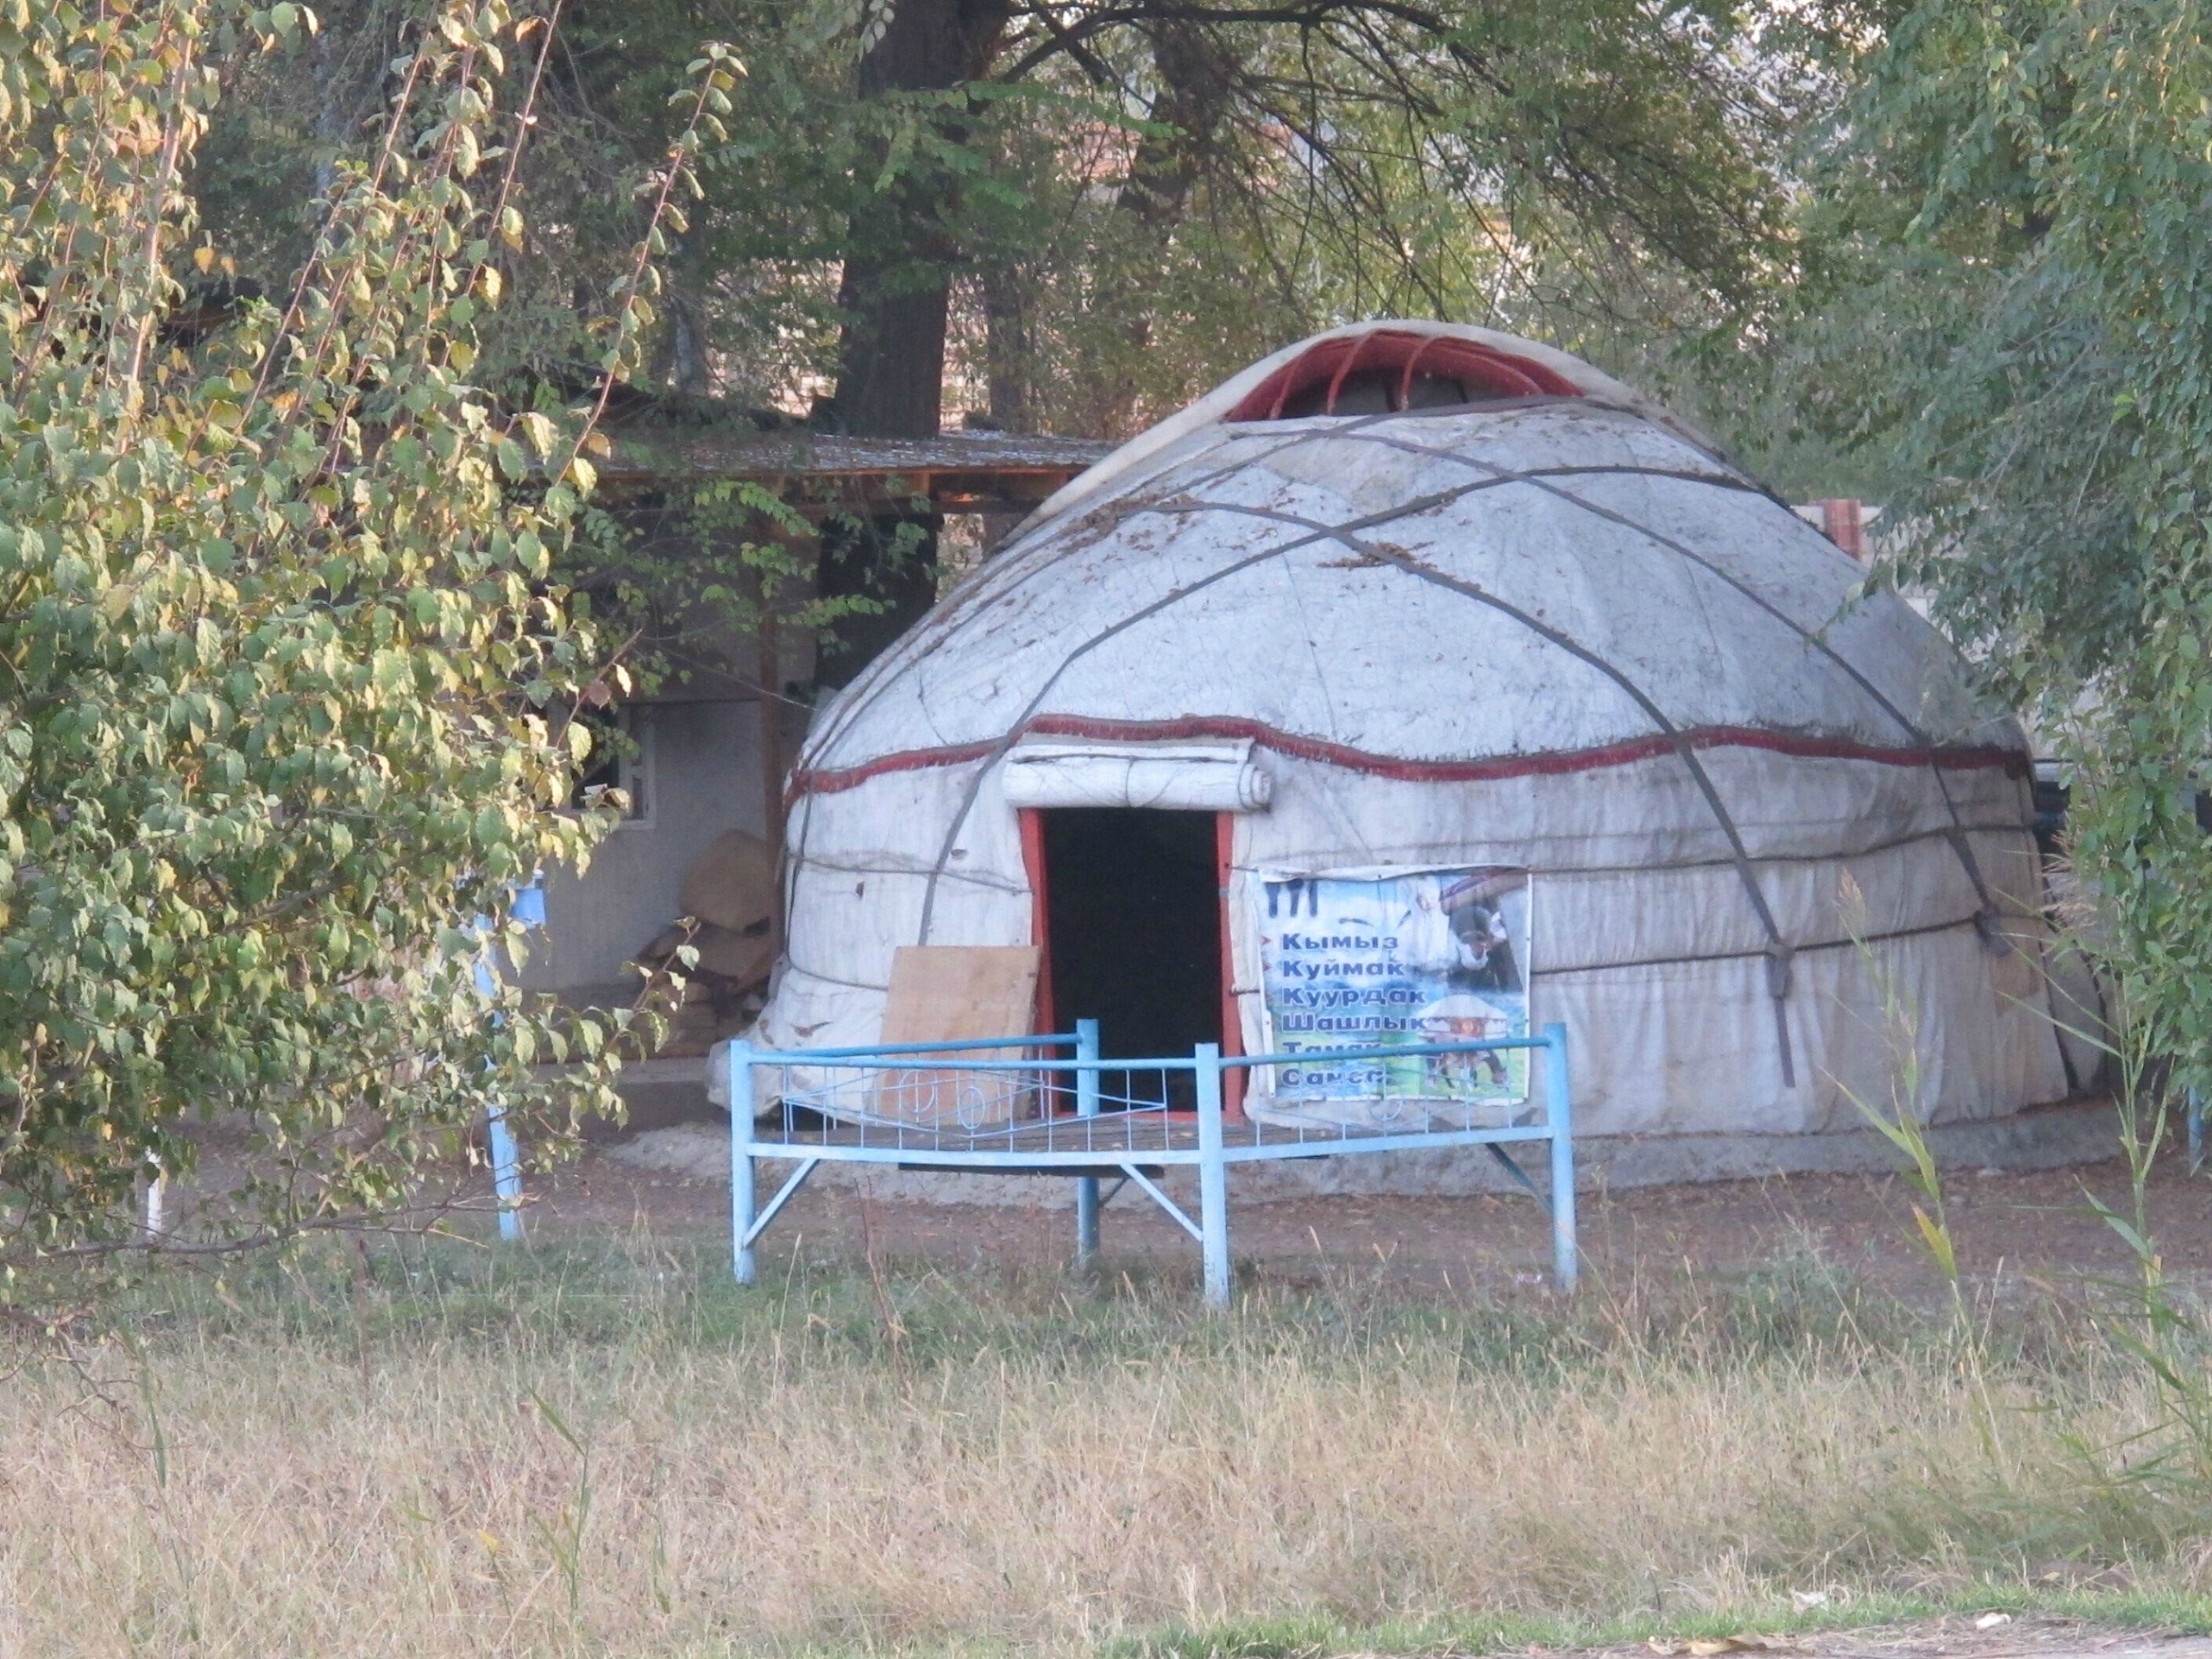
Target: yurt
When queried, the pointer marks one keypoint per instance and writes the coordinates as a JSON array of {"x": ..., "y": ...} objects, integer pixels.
[{"x": 1422, "y": 681}]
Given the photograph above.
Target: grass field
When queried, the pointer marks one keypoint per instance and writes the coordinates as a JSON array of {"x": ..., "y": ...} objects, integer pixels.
[{"x": 606, "y": 1450}]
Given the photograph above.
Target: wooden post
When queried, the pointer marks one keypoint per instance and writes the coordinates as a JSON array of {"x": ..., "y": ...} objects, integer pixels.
[{"x": 1843, "y": 519}]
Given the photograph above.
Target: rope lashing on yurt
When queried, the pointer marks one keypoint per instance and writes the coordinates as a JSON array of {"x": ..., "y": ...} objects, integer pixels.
[
  {"x": 1687, "y": 775},
  {"x": 1990, "y": 925},
  {"x": 1022, "y": 565},
  {"x": 1012, "y": 567},
  {"x": 1684, "y": 959},
  {"x": 1550, "y": 971},
  {"x": 1779, "y": 952},
  {"x": 923, "y": 642},
  {"x": 1418, "y": 504},
  {"x": 1553, "y": 970},
  {"x": 1201, "y": 728},
  {"x": 1987, "y": 924}
]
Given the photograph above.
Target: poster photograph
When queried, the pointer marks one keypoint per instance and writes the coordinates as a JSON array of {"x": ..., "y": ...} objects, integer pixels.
[{"x": 1401, "y": 960}]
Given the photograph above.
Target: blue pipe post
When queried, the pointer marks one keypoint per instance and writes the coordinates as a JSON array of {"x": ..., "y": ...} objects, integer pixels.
[
  {"x": 742, "y": 1204},
  {"x": 1559, "y": 1116},
  {"x": 1086, "y": 1105},
  {"x": 1212, "y": 1176},
  {"x": 505, "y": 1173},
  {"x": 529, "y": 909}
]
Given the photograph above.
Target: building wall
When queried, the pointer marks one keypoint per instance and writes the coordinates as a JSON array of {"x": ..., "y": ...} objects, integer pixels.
[{"x": 703, "y": 777}]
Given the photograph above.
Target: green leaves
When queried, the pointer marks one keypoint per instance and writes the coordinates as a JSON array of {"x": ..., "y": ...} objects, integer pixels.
[
  {"x": 265, "y": 748},
  {"x": 2019, "y": 195}
]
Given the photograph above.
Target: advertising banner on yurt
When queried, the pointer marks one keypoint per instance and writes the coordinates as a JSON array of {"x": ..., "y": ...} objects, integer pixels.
[{"x": 1393, "y": 960}]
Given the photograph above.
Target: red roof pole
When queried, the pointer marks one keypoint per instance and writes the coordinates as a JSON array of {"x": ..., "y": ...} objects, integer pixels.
[
  {"x": 1413, "y": 362},
  {"x": 1350, "y": 361}
]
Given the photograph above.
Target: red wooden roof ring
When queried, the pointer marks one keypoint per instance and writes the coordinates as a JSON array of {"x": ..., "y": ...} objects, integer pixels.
[
  {"x": 1351, "y": 359},
  {"x": 1413, "y": 362},
  {"x": 1482, "y": 370}
]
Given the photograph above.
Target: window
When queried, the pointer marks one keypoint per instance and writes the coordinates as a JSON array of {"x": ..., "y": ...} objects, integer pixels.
[{"x": 621, "y": 757}]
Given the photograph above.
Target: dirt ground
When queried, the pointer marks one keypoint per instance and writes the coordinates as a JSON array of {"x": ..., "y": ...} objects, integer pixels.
[
  {"x": 2015, "y": 1231},
  {"x": 1959, "y": 1637}
]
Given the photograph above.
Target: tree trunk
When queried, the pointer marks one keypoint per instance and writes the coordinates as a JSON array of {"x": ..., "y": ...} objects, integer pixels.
[
  {"x": 898, "y": 285},
  {"x": 1008, "y": 346},
  {"x": 890, "y": 375}
]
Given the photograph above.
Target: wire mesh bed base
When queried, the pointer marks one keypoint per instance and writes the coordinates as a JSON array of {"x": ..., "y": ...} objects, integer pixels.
[{"x": 1052, "y": 1106}]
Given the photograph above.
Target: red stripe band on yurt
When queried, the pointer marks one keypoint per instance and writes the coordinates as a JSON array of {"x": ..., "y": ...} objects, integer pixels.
[{"x": 835, "y": 779}]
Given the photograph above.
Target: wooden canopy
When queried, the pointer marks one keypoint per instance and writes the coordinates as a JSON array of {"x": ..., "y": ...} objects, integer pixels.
[{"x": 954, "y": 472}]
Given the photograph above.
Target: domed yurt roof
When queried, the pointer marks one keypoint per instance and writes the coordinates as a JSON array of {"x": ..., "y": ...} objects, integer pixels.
[
  {"x": 1460, "y": 600},
  {"x": 1554, "y": 572}
]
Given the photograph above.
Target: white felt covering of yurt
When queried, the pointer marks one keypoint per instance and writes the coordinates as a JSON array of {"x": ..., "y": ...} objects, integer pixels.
[{"x": 1399, "y": 614}]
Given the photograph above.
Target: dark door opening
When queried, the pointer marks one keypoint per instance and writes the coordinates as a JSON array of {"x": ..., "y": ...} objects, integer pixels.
[{"x": 1132, "y": 938}]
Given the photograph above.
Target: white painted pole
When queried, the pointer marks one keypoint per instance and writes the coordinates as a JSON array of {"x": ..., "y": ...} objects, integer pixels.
[{"x": 155, "y": 1199}]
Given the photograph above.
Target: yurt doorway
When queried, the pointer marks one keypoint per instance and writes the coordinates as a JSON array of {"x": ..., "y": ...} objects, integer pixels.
[{"x": 1132, "y": 914}]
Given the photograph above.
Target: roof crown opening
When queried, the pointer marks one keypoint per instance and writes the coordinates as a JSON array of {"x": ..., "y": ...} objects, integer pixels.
[{"x": 1388, "y": 369}]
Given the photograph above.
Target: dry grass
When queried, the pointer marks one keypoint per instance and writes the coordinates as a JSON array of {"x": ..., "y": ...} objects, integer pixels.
[{"x": 619, "y": 1456}]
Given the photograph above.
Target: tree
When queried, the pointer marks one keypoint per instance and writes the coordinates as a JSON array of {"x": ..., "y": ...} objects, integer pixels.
[
  {"x": 2014, "y": 204},
  {"x": 1449, "y": 158},
  {"x": 287, "y": 675},
  {"x": 1070, "y": 218},
  {"x": 1149, "y": 191},
  {"x": 893, "y": 292}
]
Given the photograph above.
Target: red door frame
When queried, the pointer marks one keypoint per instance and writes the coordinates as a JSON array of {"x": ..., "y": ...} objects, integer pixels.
[
  {"x": 1232, "y": 1024},
  {"x": 1031, "y": 819},
  {"x": 1032, "y": 823}
]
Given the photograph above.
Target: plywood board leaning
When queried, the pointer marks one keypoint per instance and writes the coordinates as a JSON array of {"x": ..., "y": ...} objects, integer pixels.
[{"x": 951, "y": 992}]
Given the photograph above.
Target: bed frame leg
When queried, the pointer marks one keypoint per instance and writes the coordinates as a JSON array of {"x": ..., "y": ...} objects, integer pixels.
[
  {"x": 742, "y": 1197},
  {"x": 1560, "y": 1117},
  {"x": 1086, "y": 1105},
  {"x": 1212, "y": 1176}
]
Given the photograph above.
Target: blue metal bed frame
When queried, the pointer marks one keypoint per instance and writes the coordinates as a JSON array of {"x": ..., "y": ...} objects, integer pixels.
[{"x": 1077, "y": 1133}]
